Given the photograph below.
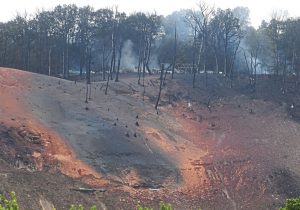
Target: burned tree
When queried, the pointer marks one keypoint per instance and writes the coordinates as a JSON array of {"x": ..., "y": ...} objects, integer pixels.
[
  {"x": 120, "y": 39},
  {"x": 175, "y": 51},
  {"x": 112, "y": 61},
  {"x": 160, "y": 85},
  {"x": 144, "y": 30},
  {"x": 199, "y": 22},
  {"x": 251, "y": 54}
]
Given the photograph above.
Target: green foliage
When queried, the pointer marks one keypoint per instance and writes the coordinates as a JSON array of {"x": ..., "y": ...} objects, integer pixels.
[
  {"x": 165, "y": 206},
  {"x": 162, "y": 206},
  {"x": 292, "y": 204},
  {"x": 80, "y": 207},
  {"x": 73, "y": 207},
  {"x": 12, "y": 204},
  {"x": 6, "y": 204},
  {"x": 143, "y": 208}
]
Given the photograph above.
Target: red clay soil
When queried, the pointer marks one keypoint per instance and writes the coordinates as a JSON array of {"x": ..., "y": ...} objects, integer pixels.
[{"x": 45, "y": 147}]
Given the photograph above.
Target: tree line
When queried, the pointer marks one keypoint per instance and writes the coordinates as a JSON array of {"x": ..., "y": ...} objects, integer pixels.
[
  {"x": 67, "y": 38},
  {"x": 83, "y": 39}
]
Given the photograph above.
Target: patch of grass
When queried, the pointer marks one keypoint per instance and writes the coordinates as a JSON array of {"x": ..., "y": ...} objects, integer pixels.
[
  {"x": 162, "y": 206},
  {"x": 80, "y": 207},
  {"x": 9, "y": 204},
  {"x": 292, "y": 204}
]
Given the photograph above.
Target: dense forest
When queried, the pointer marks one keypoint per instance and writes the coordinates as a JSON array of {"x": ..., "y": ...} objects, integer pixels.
[{"x": 71, "y": 39}]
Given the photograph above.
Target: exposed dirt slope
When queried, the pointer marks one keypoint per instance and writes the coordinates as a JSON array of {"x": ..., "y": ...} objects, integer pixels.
[{"x": 214, "y": 147}]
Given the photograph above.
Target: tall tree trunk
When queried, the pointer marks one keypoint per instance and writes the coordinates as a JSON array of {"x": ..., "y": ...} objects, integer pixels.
[
  {"x": 4, "y": 52},
  {"x": 139, "y": 70},
  {"x": 68, "y": 61},
  {"x": 141, "y": 59},
  {"x": 112, "y": 62},
  {"x": 63, "y": 62},
  {"x": 82, "y": 58},
  {"x": 89, "y": 70},
  {"x": 49, "y": 61},
  {"x": 225, "y": 59},
  {"x": 119, "y": 61},
  {"x": 175, "y": 52},
  {"x": 88, "y": 75},
  {"x": 160, "y": 85},
  {"x": 144, "y": 71},
  {"x": 233, "y": 62},
  {"x": 194, "y": 58},
  {"x": 204, "y": 60},
  {"x": 103, "y": 61},
  {"x": 113, "y": 59},
  {"x": 148, "y": 55}
]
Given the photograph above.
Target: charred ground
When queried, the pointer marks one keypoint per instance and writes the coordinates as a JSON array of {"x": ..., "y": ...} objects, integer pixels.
[{"x": 212, "y": 147}]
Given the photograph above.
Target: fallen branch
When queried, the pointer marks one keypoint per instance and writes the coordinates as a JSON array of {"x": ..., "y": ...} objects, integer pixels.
[{"x": 83, "y": 189}]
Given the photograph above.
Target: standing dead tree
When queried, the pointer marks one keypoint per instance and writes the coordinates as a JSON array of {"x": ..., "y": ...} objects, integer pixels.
[
  {"x": 88, "y": 76},
  {"x": 251, "y": 54},
  {"x": 145, "y": 28},
  {"x": 160, "y": 85},
  {"x": 194, "y": 58},
  {"x": 199, "y": 22},
  {"x": 175, "y": 51},
  {"x": 112, "y": 61}
]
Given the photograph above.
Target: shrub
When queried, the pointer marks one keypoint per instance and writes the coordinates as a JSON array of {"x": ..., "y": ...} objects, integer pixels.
[
  {"x": 162, "y": 206},
  {"x": 165, "y": 206},
  {"x": 292, "y": 204},
  {"x": 9, "y": 204},
  {"x": 80, "y": 207}
]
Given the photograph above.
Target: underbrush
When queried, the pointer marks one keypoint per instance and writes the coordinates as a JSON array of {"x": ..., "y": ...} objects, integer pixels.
[
  {"x": 9, "y": 204},
  {"x": 12, "y": 204},
  {"x": 292, "y": 204},
  {"x": 162, "y": 206}
]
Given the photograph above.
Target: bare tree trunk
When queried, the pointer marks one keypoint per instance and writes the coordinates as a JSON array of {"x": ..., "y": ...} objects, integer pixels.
[
  {"x": 165, "y": 77},
  {"x": 119, "y": 61},
  {"x": 248, "y": 69},
  {"x": 63, "y": 62},
  {"x": 144, "y": 72},
  {"x": 139, "y": 70},
  {"x": 82, "y": 58},
  {"x": 148, "y": 54},
  {"x": 204, "y": 60},
  {"x": 103, "y": 62},
  {"x": 232, "y": 63},
  {"x": 4, "y": 52},
  {"x": 49, "y": 61},
  {"x": 225, "y": 59},
  {"x": 89, "y": 70},
  {"x": 284, "y": 77},
  {"x": 68, "y": 64},
  {"x": 108, "y": 77},
  {"x": 295, "y": 68},
  {"x": 113, "y": 70},
  {"x": 86, "y": 93},
  {"x": 88, "y": 75},
  {"x": 112, "y": 62},
  {"x": 140, "y": 61},
  {"x": 175, "y": 52},
  {"x": 194, "y": 58},
  {"x": 160, "y": 85},
  {"x": 217, "y": 63}
]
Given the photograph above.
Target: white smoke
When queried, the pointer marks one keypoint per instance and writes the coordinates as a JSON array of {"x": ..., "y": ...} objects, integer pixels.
[{"x": 129, "y": 59}]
